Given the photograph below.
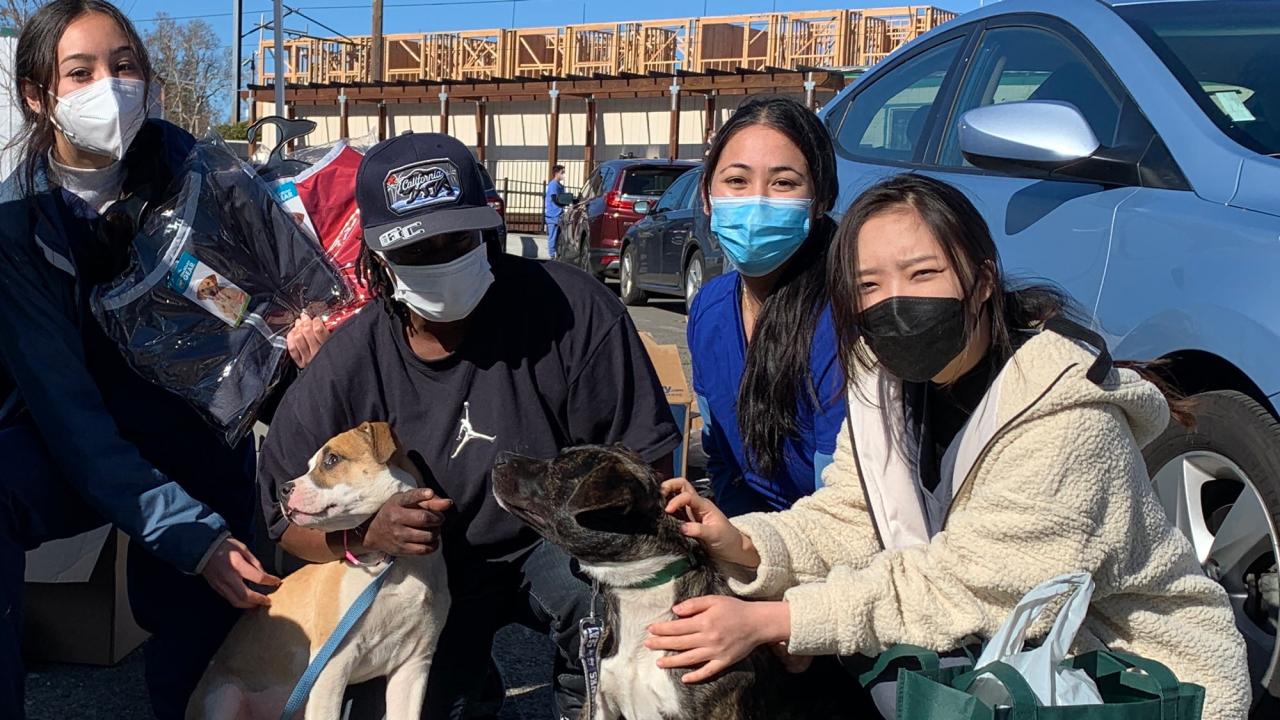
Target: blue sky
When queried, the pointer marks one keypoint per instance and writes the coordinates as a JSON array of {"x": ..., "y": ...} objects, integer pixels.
[{"x": 352, "y": 16}]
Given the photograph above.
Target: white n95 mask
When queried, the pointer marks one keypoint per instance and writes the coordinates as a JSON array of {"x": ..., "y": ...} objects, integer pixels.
[
  {"x": 104, "y": 117},
  {"x": 447, "y": 292}
]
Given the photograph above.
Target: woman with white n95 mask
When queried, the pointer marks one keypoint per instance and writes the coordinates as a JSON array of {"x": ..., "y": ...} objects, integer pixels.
[{"x": 86, "y": 440}]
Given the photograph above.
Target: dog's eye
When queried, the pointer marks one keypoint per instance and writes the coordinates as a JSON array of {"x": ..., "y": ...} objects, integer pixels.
[{"x": 330, "y": 460}]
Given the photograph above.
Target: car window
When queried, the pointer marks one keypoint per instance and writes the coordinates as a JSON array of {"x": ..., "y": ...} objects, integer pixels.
[
  {"x": 1013, "y": 64},
  {"x": 650, "y": 182},
  {"x": 592, "y": 187},
  {"x": 886, "y": 121},
  {"x": 1225, "y": 55},
  {"x": 693, "y": 200},
  {"x": 674, "y": 197}
]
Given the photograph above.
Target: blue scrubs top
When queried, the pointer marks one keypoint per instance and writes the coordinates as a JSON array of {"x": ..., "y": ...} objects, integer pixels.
[{"x": 719, "y": 349}]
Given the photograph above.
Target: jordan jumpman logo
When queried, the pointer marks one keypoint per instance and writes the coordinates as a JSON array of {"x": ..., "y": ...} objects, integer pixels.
[{"x": 466, "y": 433}]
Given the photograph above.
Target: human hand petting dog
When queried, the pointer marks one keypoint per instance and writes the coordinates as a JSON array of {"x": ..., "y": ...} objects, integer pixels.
[
  {"x": 228, "y": 569},
  {"x": 305, "y": 338},
  {"x": 715, "y": 631},
  {"x": 407, "y": 524},
  {"x": 708, "y": 525}
]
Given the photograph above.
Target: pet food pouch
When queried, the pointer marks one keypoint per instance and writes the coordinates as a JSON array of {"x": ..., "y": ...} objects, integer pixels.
[{"x": 204, "y": 287}]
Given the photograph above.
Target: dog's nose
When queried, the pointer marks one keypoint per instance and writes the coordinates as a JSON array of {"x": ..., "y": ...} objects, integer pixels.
[{"x": 286, "y": 490}]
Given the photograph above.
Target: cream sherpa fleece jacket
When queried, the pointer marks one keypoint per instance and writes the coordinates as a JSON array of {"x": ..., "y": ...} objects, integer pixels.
[{"x": 1061, "y": 487}]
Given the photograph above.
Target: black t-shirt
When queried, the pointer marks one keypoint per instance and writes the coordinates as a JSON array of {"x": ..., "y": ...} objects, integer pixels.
[{"x": 552, "y": 360}]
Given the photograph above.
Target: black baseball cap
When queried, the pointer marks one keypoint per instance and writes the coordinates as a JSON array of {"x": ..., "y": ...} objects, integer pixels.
[{"x": 418, "y": 185}]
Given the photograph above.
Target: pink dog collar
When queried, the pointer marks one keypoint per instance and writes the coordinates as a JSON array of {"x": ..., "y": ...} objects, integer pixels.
[{"x": 351, "y": 557}]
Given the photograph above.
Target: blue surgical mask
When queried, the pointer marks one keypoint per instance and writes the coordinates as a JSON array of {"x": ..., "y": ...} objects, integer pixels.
[{"x": 760, "y": 233}]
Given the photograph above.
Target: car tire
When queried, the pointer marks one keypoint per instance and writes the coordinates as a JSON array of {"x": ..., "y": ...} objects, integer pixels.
[
  {"x": 1225, "y": 474},
  {"x": 692, "y": 278},
  {"x": 584, "y": 255},
  {"x": 627, "y": 288}
]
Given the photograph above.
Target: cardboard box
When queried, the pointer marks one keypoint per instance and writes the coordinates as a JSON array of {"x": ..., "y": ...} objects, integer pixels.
[
  {"x": 76, "y": 601},
  {"x": 666, "y": 361}
]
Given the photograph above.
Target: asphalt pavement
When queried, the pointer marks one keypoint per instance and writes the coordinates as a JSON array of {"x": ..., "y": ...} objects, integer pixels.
[{"x": 58, "y": 692}]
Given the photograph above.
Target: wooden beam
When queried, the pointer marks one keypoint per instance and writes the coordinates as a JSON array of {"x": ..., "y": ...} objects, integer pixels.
[
  {"x": 482, "y": 131},
  {"x": 377, "y": 61},
  {"x": 444, "y": 111},
  {"x": 382, "y": 121},
  {"x": 344, "y": 117},
  {"x": 601, "y": 89},
  {"x": 589, "y": 151},
  {"x": 553, "y": 135},
  {"x": 673, "y": 141},
  {"x": 708, "y": 118}
]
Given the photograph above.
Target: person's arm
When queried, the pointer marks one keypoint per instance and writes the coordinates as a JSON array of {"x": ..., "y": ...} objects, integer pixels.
[
  {"x": 408, "y": 523},
  {"x": 311, "y": 413},
  {"x": 831, "y": 527},
  {"x": 41, "y": 347},
  {"x": 1052, "y": 502},
  {"x": 720, "y": 470}
]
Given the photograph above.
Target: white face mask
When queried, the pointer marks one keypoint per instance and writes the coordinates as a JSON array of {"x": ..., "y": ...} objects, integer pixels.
[
  {"x": 444, "y": 293},
  {"x": 104, "y": 117}
]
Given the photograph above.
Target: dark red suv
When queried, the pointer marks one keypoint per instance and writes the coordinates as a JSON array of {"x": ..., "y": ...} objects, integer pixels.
[{"x": 594, "y": 222}]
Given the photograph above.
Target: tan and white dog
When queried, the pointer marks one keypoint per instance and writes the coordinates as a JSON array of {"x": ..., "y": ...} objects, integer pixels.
[{"x": 268, "y": 650}]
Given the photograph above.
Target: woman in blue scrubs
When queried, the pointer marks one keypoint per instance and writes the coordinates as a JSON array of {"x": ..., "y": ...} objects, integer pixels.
[{"x": 769, "y": 385}]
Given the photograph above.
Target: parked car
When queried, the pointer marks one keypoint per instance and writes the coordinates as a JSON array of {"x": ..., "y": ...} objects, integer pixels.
[
  {"x": 672, "y": 250},
  {"x": 1127, "y": 152},
  {"x": 495, "y": 201},
  {"x": 595, "y": 220}
]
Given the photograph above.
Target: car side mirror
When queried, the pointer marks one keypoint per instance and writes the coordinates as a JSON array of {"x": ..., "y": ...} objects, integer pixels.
[
  {"x": 1042, "y": 136},
  {"x": 564, "y": 199},
  {"x": 643, "y": 207}
]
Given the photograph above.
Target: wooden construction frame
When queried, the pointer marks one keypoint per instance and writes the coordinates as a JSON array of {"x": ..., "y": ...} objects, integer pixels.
[{"x": 787, "y": 40}]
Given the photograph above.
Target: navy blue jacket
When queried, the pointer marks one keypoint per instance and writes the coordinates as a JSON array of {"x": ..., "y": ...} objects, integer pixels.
[{"x": 138, "y": 454}]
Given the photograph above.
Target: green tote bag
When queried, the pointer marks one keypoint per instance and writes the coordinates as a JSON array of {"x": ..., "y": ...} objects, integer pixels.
[{"x": 1132, "y": 688}]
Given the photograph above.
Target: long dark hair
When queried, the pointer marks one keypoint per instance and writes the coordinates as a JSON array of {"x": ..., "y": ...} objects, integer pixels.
[
  {"x": 971, "y": 252},
  {"x": 777, "y": 374},
  {"x": 35, "y": 63}
]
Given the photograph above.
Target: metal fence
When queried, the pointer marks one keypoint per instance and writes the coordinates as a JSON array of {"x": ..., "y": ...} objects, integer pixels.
[{"x": 523, "y": 186}]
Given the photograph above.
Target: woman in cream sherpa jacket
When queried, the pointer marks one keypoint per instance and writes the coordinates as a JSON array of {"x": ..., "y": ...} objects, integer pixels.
[{"x": 1047, "y": 478}]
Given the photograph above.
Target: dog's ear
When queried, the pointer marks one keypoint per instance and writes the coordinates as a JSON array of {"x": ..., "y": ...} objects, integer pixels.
[
  {"x": 614, "y": 500},
  {"x": 380, "y": 440}
]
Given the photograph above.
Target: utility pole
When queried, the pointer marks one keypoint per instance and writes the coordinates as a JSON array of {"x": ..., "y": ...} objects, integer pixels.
[
  {"x": 277, "y": 25},
  {"x": 375, "y": 60},
  {"x": 237, "y": 20}
]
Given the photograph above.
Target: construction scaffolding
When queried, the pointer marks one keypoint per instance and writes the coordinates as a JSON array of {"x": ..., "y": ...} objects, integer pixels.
[{"x": 795, "y": 40}]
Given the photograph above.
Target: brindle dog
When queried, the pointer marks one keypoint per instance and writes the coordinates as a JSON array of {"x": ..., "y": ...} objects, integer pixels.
[{"x": 604, "y": 506}]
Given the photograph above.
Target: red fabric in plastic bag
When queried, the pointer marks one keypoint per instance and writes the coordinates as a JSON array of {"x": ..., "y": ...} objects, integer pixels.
[{"x": 328, "y": 191}]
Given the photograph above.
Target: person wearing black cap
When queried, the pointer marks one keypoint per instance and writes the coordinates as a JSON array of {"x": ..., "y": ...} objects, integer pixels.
[{"x": 467, "y": 353}]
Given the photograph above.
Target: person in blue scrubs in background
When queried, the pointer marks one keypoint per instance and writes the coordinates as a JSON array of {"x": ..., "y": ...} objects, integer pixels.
[
  {"x": 765, "y": 371},
  {"x": 552, "y": 210}
]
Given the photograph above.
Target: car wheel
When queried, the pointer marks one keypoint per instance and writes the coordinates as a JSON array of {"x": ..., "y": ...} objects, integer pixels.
[
  {"x": 692, "y": 279},
  {"x": 627, "y": 288},
  {"x": 1219, "y": 483}
]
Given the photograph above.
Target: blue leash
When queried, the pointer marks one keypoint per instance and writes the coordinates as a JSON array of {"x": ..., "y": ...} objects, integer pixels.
[{"x": 302, "y": 690}]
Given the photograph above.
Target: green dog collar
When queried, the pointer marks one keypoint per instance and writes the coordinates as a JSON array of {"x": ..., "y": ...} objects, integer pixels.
[{"x": 672, "y": 571}]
